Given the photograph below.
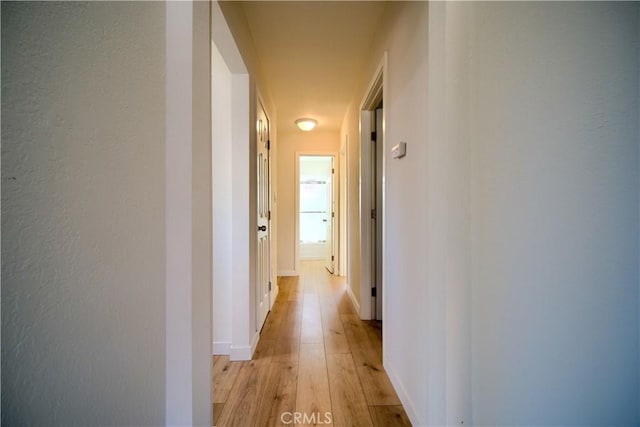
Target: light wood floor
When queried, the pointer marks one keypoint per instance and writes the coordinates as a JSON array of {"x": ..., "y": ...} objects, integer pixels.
[{"x": 315, "y": 356}]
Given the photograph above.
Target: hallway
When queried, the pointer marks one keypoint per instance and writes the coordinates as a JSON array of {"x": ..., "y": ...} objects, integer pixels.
[{"x": 315, "y": 357}]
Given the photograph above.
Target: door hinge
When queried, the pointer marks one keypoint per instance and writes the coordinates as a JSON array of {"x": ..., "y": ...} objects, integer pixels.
[
  {"x": 269, "y": 215},
  {"x": 374, "y": 292},
  {"x": 268, "y": 144},
  {"x": 373, "y": 136},
  {"x": 333, "y": 170},
  {"x": 331, "y": 257},
  {"x": 333, "y": 214},
  {"x": 373, "y": 214},
  {"x": 269, "y": 285}
]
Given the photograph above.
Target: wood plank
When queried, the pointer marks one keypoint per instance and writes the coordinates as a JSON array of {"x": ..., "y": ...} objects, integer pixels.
[
  {"x": 344, "y": 304},
  {"x": 224, "y": 376},
  {"x": 335, "y": 342},
  {"x": 335, "y": 339},
  {"x": 242, "y": 405},
  {"x": 291, "y": 321},
  {"x": 264, "y": 350},
  {"x": 285, "y": 350},
  {"x": 294, "y": 289},
  {"x": 311, "y": 331},
  {"x": 272, "y": 323},
  {"x": 356, "y": 331},
  {"x": 375, "y": 330},
  {"x": 217, "y": 409},
  {"x": 349, "y": 407},
  {"x": 279, "y": 395},
  {"x": 312, "y": 395},
  {"x": 377, "y": 386},
  {"x": 366, "y": 356},
  {"x": 389, "y": 416},
  {"x": 309, "y": 284}
]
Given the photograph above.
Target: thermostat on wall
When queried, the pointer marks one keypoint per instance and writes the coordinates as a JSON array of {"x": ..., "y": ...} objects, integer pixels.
[{"x": 399, "y": 150}]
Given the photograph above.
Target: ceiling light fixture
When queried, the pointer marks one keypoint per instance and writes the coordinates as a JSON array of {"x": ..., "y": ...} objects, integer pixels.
[{"x": 306, "y": 124}]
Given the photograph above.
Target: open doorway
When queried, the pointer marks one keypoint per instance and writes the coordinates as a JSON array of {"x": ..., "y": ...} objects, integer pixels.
[{"x": 316, "y": 209}]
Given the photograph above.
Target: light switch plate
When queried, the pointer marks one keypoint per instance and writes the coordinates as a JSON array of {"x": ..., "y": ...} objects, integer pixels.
[{"x": 399, "y": 150}]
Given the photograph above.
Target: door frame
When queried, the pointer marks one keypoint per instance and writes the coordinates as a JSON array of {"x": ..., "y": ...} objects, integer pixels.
[
  {"x": 296, "y": 202},
  {"x": 376, "y": 91}
]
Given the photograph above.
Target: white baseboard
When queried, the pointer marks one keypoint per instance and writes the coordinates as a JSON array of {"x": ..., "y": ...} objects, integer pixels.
[
  {"x": 288, "y": 273},
  {"x": 407, "y": 403},
  {"x": 244, "y": 352},
  {"x": 240, "y": 353},
  {"x": 275, "y": 290},
  {"x": 353, "y": 299},
  {"x": 254, "y": 342},
  {"x": 221, "y": 348}
]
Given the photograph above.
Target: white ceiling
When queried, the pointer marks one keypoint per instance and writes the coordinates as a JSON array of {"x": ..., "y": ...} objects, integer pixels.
[{"x": 311, "y": 54}]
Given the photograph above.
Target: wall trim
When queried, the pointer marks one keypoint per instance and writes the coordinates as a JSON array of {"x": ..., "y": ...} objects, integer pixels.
[
  {"x": 275, "y": 290},
  {"x": 244, "y": 352},
  {"x": 405, "y": 399},
  {"x": 254, "y": 343},
  {"x": 352, "y": 297},
  {"x": 221, "y": 348},
  {"x": 240, "y": 353},
  {"x": 286, "y": 273}
]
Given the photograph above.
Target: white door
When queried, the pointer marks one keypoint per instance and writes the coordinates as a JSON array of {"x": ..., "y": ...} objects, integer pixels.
[{"x": 263, "y": 284}]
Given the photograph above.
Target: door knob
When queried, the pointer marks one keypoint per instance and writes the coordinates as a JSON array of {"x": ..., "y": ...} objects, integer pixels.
[{"x": 262, "y": 228}]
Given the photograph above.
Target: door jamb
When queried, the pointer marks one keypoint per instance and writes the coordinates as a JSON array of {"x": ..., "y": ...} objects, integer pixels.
[{"x": 376, "y": 91}]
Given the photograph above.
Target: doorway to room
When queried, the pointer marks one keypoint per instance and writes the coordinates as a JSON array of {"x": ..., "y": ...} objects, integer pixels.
[{"x": 316, "y": 209}]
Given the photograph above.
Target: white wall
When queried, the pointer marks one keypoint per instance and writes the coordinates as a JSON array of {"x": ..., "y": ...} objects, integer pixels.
[
  {"x": 555, "y": 214},
  {"x": 77, "y": 197},
  {"x": 512, "y": 224},
  {"x": 89, "y": 117},
  {"x": 318, "y": 142},
  {"x": 83, "y": 223}
]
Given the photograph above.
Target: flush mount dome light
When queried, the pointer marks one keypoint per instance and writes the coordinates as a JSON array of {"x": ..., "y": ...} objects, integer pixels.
[{"x": 306, "y": 124}]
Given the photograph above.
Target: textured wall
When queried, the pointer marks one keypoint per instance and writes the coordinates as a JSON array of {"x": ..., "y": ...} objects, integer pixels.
[
  {"x": 555, "y": 214},
  {"x": 512, "y": 223},
  {"x": 83, "y": 213}
]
